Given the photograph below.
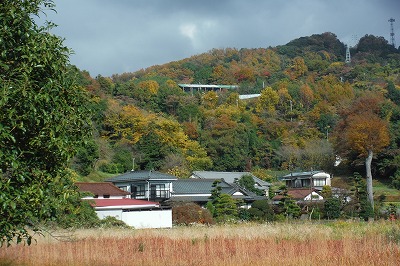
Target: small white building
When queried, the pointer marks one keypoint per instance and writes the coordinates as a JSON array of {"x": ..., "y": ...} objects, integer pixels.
[
  {"x": 137, "y": 213},
  {"x": 109, "y": 200}
]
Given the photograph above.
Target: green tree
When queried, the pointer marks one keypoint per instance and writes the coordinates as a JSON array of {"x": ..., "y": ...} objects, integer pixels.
[
  {"x": 332, "y": 208},
  {"x": 222, "y": 206},
  {"x": 225, "y": 208},
  {"x": 86, "y": 157},
  {"x": 43, "y": 119},
  {"x": 248, "y": 183},
  {"x": 261, "y": 210},
  {"x": 287, "y": 205},
  {"x": 326, "y": 192},
  {"x": 360, "y": 197}
]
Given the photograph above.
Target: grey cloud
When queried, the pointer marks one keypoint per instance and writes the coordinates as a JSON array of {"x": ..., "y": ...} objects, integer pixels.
[{"x": 111, "y": 37}]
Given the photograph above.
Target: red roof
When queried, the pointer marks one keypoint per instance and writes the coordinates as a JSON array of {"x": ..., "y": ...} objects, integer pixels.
[
  {"x": 101, "y": 188},
  {"x": 122, "y": 202}
]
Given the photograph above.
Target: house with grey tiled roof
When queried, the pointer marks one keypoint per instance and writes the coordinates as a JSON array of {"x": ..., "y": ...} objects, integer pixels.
[
  {"x": 232, "y": 178},
  {"x": 146, "y": 185},
  {"x": 314, "y": 179},
  {"x": 199, "y": 191}
]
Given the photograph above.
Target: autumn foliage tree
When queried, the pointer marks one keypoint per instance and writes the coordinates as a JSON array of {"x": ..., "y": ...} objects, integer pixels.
[{"x": 361, "y": 130}]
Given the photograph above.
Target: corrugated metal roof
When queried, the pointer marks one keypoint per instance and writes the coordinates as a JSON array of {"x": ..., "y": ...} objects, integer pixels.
[{"x": 141, "y": 175}]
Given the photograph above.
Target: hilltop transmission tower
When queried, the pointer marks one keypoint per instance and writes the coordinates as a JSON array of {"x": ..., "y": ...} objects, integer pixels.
[
  {"x": 392, "y": 42},
  {"x": 348, "y": 57}
]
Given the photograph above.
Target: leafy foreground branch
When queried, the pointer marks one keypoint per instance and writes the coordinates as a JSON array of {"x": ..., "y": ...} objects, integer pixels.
[{"x": 43, "y": 119}]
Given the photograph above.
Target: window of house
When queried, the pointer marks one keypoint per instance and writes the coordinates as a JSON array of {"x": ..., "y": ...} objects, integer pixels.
[
  {"x": 138, "y": 190},
  {"x": 305, "y": 182},
  {"x": 124, "y": 188},
  {"x": 319, "y": 182},
  {"x": 158, "y": 190}
]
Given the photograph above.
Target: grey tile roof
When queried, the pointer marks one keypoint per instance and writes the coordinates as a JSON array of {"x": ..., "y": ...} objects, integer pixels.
[
  {"x": 141, "y": 175},
  {"x": 195, "y": 198},
  {"x": 229, "y": 177},
  {"x": 189, "y": 199},
  {"x": 199, "y": 190},
  {"x": 199, "y": 186}
]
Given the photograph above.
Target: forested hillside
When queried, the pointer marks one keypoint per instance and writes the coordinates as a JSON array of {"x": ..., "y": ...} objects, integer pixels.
[{"x": 313, "y": 109}]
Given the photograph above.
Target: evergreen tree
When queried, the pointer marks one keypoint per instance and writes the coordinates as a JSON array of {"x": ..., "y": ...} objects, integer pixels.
[
  {"x": 222, "y": 206},
  {"x": 332, "y": 208}
]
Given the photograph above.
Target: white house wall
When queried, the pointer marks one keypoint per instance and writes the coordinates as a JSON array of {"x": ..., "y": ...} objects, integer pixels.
[
  {"x": 114, "y": 213},
  {"x": 315, "y": 196},
  {"x": 328, "y": 181},
  {"x": 325, "y": 176},
  {"x": 148, "y": 219},
  {"x": 140, "y": 219}
]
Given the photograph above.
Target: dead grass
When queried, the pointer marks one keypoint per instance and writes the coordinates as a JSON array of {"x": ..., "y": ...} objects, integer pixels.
[{"x": 335, "y": 243}]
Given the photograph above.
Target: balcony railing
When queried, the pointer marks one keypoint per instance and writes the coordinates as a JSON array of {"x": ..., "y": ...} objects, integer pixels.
[
  {"x": 155, "y": 195},
  {"x": 160, "y": 194}
]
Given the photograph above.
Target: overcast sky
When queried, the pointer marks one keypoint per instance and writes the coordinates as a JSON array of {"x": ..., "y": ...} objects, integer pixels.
[{"x": 117, "y": 36}]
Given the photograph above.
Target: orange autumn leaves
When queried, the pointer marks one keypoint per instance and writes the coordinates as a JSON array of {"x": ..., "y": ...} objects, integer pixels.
[{"x": 362, "y": 129}]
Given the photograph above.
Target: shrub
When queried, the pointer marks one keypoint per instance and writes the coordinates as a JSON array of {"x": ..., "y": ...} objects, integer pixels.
[
  {"x": 110, "y": 222},
  {"x": 73, "y": 212},
  {"x": 261, "y": 210},
  {"x": 189, "y": 213},
  {"x": 396, "y": 180}
]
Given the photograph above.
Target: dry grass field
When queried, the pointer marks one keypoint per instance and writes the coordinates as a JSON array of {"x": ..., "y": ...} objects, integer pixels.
[{"x": 300, "y": 243}]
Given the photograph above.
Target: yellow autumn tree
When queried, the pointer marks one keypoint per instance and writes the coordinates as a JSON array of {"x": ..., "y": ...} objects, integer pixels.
[
  {"x": 267, "y": 101},
  {"x": 210, "y": 100},
  {"x": 298, "y": 68},
  {"x": 151, "y": 86},
  {"x": 127, "y": 123}
]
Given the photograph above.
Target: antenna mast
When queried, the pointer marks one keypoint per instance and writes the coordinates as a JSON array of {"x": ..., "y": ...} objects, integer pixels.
[{"x": 392, "y": 42}]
